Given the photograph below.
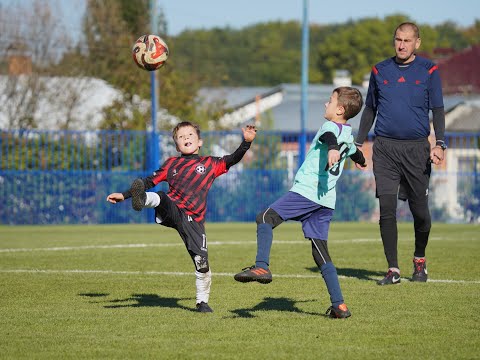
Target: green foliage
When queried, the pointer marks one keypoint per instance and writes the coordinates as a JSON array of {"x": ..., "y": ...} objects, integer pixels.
[
  {"x": 449, "y": 36},
  {"x": 357, "y": 46},
  {"x": 473, "y": 33},
  {"x": 263, "y": 54},
  {"x": 267, "y": 54},
  {"x": 136, "y": 15},
  {"x": 110, "y": 29}
]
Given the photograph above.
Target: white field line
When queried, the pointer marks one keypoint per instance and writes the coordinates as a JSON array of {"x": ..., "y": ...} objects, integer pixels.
[
  {"x": 179, "y": 243},
  {"x": 170, "y": 273}
]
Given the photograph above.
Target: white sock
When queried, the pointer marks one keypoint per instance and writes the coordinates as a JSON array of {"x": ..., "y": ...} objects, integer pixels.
[
  {"x": 203, "y": 282},
  {"x": 153, "y": 200}
]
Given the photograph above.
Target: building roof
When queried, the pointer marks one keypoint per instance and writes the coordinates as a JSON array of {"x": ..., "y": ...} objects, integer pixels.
[
  {"x": 460, "y": 73},
  {"x": 464, "y": 117},
  {"x": 81, "y": 99},
  {"x": 287, "y": 114}
]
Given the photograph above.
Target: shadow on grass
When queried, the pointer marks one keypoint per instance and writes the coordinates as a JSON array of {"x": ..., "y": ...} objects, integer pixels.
[
  {"x": 360, "y": 274},
  {"x": 275, "y": 304},
  {"x": 143, "y": 300}
]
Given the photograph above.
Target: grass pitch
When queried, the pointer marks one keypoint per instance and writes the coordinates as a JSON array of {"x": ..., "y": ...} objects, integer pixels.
[{"x": 128, "y": 292}]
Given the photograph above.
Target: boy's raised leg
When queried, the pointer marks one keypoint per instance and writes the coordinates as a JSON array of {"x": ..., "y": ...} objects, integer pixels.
[
  {"x": 260, "y": 271},
  {"x": 138, "y": 194}
]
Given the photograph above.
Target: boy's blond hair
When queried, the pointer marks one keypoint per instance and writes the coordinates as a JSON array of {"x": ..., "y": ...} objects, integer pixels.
[{"x": 351, "y": 99}]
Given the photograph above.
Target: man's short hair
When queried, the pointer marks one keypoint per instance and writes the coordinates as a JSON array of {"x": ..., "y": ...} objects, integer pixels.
[
  {"x": 408, "y": 26},
  {"x": 351, "y": 99}
]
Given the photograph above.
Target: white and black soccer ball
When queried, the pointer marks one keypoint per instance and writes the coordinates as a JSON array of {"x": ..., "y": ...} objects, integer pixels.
[{"x": 150, "y": 52}]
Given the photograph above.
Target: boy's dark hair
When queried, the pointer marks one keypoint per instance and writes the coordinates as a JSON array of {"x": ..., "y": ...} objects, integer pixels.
[
  {"x": 185, "y": 124},
  {"x": 408, "y": 25},
  {"x": 351, "y": 99}
]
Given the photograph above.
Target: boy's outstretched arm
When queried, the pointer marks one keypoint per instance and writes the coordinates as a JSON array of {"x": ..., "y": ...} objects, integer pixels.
[
  {"x": 249, "y": 133},
  {"x": 115, "y": 198},
  {"x": 149, "y": 182}
]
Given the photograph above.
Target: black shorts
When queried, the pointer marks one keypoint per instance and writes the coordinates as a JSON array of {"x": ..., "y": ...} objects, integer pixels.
[
  {"x": 191, "y": 232},
  {"x": 402, "y": 167}
]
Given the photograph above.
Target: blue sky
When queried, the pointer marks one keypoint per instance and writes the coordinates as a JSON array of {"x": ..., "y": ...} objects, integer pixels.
[
  {"x": 194, "y": 14},
  {"x": 182, "y": 14}
]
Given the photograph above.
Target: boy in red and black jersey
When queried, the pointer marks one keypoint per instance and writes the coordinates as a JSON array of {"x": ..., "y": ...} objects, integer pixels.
[{"x": 189, "y": 177}]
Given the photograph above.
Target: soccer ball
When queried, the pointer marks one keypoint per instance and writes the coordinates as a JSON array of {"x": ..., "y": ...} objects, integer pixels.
[{"x": 150, "y": 52}]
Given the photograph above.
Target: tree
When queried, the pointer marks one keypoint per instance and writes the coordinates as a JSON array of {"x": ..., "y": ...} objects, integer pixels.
[
  {"x": 31, "y": 51},
  {"x": 110, "y": 29},
  {"x": 449, "y": 36},
  {"x": 472, "y": 33},
  {"x": 356, "y": 46}
]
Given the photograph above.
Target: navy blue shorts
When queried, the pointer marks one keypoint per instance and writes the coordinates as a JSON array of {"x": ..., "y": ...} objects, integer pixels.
[{"x": 315, "y": 218}]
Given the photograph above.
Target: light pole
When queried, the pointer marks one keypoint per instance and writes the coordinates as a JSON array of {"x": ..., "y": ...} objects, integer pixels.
[
  {"x": 153, "y": 138},
  {"x": 304, "y": 94}
]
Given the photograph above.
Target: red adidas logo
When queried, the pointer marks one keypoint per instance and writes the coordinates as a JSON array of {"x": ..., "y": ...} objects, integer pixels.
[{"x": 402, "y": 79}]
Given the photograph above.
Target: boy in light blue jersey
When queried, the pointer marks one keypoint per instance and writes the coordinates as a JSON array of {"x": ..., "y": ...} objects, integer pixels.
[{"x": 311, "y": 199}]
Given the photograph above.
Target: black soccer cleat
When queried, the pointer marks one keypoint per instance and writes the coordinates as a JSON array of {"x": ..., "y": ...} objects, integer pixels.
[
  {"x": 138, "y": 194},
  {"x": 340, "y": 312},
  {"x": 391, "y": 278},
  {"x": 203, "y": 307},
  {"x": 254, "y": 273},
  {"x": 420, "y": 273}
]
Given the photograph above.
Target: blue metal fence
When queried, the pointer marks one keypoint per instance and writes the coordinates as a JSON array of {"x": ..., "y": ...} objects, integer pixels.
[{"x": 63, "y": 177}]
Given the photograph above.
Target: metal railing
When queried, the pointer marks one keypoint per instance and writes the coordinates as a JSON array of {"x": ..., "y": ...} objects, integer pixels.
[{"x": 63, "y": 177}]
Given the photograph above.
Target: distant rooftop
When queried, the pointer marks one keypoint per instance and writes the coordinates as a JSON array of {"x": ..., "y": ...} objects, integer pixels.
[{"x": 286, "y": 115}]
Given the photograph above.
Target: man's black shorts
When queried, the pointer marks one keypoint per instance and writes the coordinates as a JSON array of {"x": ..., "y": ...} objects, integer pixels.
[
  {"x": 191, "y": 232},
  {"x": 402, "y": 167}
]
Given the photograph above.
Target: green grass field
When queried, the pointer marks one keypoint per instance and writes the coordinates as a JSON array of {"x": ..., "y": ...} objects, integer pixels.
[{"x": 128, "y": 292}]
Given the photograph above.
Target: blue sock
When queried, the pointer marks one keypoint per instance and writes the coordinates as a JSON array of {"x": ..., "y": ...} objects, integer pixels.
[
  {"x": 329, "y": 273},
  {"x": 264, "y": 244}
]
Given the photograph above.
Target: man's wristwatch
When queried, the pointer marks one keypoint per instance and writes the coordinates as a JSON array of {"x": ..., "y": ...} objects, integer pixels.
[{"x": 441, "y": 144}]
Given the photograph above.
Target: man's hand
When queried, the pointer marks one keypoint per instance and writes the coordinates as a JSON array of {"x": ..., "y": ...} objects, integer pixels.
[
  {"x": 437, "y": 155},
  {"x": 115, "y": 198},
  {"x": 361, "y": 166},
  {"x": 249, "y": 133}
]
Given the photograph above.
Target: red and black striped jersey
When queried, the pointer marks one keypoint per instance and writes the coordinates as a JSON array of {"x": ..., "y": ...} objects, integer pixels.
[{"x": 189, "y": 179}]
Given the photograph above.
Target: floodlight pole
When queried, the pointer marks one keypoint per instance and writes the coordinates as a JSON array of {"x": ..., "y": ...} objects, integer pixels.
[
  {"x": 304, "y": 95},
  {"x": 154, "y": 149}
]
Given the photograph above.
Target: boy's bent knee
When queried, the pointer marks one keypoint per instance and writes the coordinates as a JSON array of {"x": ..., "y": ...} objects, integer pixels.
[{"x": 269, "y": 216}]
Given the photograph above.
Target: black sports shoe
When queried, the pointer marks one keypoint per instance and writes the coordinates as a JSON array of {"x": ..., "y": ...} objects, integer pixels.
[
  {"x": 253, "y": 273},
  {"x": 138, "y": 194},
  {"x": 391, "y": 278},
  {"x": 203, "y": 307},
  {"x": 420, "y": 273},
  {"x": 341, "y": 312}
]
